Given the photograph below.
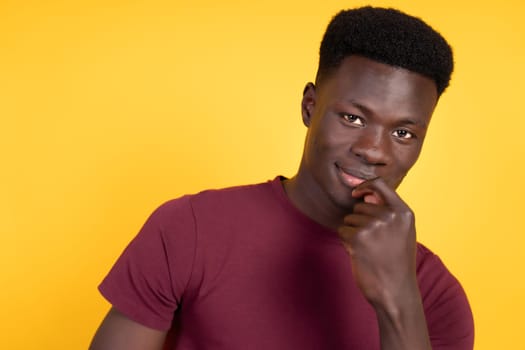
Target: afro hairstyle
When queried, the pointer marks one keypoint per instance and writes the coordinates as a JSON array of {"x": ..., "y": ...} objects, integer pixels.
[{"x": 388, "y": 36}]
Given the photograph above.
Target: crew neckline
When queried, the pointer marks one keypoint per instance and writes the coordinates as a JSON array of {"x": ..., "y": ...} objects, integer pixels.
[{"x": 300, "y": 218}]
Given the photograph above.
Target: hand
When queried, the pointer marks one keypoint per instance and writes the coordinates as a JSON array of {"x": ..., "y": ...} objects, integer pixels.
[{"x": 380, "y": 237}]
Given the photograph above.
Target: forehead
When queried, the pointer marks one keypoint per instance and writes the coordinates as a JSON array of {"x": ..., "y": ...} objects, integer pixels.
[{"x": 380, "y": 87}]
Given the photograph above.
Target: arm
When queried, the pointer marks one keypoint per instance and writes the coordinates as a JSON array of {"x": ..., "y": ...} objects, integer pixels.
[
  {"x": 117, "y": 332},
  {"x": 147, "y": 281},
  {"x": 402, "y": 325},
  {"x": 380, "y": 237}
]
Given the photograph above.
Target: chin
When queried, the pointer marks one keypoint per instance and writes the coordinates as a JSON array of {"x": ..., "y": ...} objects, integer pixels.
[
  {"x": 343, "y": 199},
  {"x": 347, "y": 206}
]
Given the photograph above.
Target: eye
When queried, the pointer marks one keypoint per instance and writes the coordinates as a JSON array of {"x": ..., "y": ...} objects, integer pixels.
[
  {"x": 403, "y": 134},
  {"x": 354, "y": 119}
]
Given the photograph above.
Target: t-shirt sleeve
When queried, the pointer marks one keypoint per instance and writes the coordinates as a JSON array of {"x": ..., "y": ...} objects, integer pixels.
[
  {"x": 149, "y": 279},
  {"x": 448, "y": 314}
]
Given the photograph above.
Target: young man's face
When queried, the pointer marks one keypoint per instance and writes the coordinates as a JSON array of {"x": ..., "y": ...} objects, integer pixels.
[{"x": 365, "y": 120}]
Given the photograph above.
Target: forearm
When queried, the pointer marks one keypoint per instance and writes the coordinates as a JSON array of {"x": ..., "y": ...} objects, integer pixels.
[{"x": 402, "y": 325}]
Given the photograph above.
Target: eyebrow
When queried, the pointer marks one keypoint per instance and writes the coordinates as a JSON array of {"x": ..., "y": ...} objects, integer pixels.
[{"x": 403, "y": 121}]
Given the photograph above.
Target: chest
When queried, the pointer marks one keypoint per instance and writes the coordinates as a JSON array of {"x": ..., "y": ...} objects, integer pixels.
[{"x": 276, "y": 293}]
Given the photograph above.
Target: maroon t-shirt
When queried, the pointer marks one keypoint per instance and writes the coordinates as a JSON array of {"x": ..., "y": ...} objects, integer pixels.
[{"x": 242, "y": 268}]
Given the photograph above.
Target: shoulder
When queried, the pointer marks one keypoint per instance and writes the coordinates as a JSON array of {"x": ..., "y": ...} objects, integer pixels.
[
  {"x": 431, "y": 269},
  {"x": 214, "y": 202},
  {"x": 447, "y": 310},
  {"x": 213, "y": 198},
  {"x": 435, "y": 280},
  {"x": 234, "y": 195},
  {"x": 211, "y": 209}
]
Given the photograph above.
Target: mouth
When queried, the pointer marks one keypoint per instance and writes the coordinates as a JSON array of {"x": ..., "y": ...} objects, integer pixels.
[{"x": 353, "y": 178}]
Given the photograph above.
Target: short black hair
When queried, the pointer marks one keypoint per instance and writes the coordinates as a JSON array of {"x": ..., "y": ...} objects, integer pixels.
[{"x": 388, "y": 36}]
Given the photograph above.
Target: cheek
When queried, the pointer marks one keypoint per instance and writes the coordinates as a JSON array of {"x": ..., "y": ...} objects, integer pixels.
[
  {"x": 406, "y": 163},
  {"x": 405, "y": 160},
  {"x": 325, "y": 149},
  {"x": 329, "y": 138},
  {"x": 316, "y": 152}
]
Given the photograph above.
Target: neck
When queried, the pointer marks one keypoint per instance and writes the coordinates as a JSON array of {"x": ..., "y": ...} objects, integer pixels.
[{"x": 306, "y": 195}]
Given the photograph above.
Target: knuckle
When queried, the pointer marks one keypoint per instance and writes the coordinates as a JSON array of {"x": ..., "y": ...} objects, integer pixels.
[
  {"x": 377, "y": 225},
  {"x": 387, "y": 216},
  {"x": 409, "y": 215}
]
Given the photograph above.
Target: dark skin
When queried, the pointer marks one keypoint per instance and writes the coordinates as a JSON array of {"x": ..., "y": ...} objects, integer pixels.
[
  {"x": 117, "y": 332},
  {"x": 366, "y": 125}
]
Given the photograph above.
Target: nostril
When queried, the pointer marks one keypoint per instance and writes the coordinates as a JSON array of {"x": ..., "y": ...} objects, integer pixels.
[{"x": 372, "y": 155}]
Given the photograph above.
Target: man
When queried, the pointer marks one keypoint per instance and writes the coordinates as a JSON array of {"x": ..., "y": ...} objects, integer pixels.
[{"x": 327, "y": 259}]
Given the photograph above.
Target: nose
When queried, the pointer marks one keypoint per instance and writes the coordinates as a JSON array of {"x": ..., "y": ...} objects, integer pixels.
[{"x": 372, "y": 146}]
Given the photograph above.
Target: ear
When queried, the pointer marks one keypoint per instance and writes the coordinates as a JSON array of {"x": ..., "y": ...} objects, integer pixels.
[{"x": 308, "y": 103}]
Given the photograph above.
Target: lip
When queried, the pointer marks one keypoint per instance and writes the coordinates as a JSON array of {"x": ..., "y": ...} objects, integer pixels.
[{"x": 351, "y": 177}]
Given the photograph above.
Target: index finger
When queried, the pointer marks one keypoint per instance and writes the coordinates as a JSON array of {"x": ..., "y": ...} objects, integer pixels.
[{"x": 376, "y": 191}]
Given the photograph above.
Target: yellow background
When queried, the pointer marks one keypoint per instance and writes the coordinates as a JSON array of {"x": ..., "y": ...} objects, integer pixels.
[{"x": 109, "y": 108}]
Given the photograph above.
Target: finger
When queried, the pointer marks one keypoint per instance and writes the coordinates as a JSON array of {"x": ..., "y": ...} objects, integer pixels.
[
  {"x": 357, "y": 220},
  {"x": 376, "y": 191},
  {"x": 369, "y": 209},
  {"x": 347, "y": 233},
  {"x": 372, "y": 198}
]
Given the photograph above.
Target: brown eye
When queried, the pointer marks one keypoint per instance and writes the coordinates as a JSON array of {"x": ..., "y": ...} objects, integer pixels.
[
  {"x": 353, "y": 119},
  {"x": 403, "y": 134}
]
